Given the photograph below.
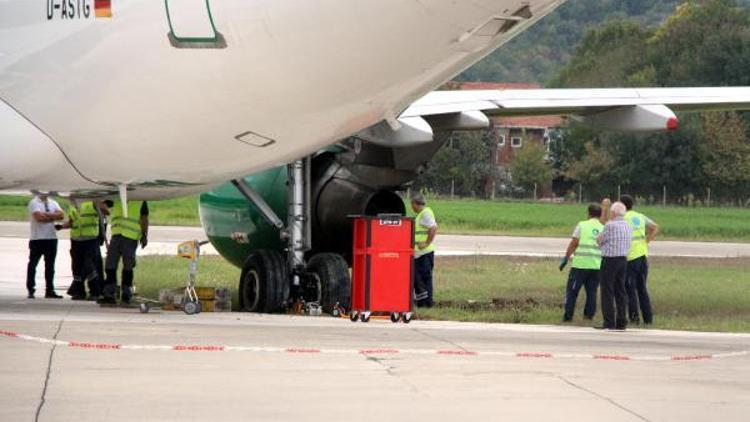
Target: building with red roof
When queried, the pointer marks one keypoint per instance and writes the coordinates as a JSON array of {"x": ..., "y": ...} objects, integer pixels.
[{"x": 513, "y": 133}]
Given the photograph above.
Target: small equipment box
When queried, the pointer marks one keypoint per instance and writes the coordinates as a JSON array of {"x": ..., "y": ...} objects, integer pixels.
[{"x": 383, "y": 267}]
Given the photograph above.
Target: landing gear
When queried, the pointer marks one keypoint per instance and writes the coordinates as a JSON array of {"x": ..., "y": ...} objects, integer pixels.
[
  {"x": 268, "y": 277},
  {"x": 264, "y": 283},
  {"x": 329, "y": 274}
]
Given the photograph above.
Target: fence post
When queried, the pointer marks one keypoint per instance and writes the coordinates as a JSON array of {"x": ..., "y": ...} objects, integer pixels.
[
  {"x": 453, "y": 189},
  {"x": 619, "y": 192},
  {"x": 580, "y": 193},
  {"x": 708, "y": 198},
  {"x": 535, "y": 187},
  {"x": 664, "y": 196}
]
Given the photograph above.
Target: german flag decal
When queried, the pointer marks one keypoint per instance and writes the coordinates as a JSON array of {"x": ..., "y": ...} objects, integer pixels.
[{"x": 103, "y": 8}]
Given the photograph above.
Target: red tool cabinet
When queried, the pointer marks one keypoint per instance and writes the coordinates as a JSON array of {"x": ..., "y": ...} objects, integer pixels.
[{"x": 383, "y": 267}]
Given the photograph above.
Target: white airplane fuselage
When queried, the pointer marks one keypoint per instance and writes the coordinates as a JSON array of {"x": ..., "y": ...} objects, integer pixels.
[{"x": 95, "y": 102}]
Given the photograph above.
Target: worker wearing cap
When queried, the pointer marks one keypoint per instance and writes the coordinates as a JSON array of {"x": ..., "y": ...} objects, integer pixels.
[
  {"x": 127, "y": 232},
  {"x": 425, "y": 230},
  {"x": 644, "y": 232},
  {"x": 587, "y": 259},
  {"x": 84, "y": 223}
]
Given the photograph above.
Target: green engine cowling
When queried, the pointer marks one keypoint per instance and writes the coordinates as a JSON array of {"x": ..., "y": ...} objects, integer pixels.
[
  {"x": 234, "y": 227},
  {"x": 339, "y": 189}
]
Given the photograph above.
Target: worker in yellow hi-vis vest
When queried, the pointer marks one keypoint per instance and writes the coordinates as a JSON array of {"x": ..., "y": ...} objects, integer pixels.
[
  {"x": 85, "y": 222},
  {"x": 425, "y": 230},
  {"x": 587, "y": 259},
  {"x": 127, "y": 233},
  {"x": 644, "y": 232}
]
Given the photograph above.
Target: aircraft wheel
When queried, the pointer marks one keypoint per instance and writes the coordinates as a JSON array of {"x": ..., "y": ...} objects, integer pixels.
[
  {"x": 407, "y": 317},
  {"x": 395, "y": 317},
  {"x": 354, "y": 316},
  {"x": 334, "y": 281},
  {"x": 365, "y": 317},
  {"x": 264, "y": 284}
]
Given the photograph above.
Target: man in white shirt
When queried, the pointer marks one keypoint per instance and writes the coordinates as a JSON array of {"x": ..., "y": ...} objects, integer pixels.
[{"x": 43, "y": 212}]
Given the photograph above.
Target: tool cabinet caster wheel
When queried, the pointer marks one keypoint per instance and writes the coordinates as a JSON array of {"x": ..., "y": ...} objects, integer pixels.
[
  {"x": 365, "y": 317},
  {"x": 143, "y": 308},
  {"x": 407, "y": 317},
  {"x": 191, "y": 308},
  {"x": 395, "y": 317},
  {"x": 354, "y": 316}
]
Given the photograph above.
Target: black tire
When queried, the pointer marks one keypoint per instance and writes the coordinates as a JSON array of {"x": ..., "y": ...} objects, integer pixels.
[
  {"x": 264, "y": 284},
  {"x": 332, "y": 273},
  {"x": 395, "y": 317}
]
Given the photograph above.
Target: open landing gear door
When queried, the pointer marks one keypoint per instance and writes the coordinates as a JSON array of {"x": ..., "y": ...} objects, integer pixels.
[{"x": 191, "y": 25}]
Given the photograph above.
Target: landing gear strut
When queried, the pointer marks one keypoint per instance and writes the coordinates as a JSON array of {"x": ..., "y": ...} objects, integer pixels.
[{"x": 272, "y": 280}]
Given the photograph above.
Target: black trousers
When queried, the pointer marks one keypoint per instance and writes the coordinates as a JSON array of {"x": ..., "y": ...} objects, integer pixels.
[
  {"x": 46, "y": 248},
  {"x": 637, "y": 287},
  {"x": 613, "y": 294},
  {"x": 84, "y": 255},
  {"x": 588, "y": 279},
  {"x": 423, "y": 279}
]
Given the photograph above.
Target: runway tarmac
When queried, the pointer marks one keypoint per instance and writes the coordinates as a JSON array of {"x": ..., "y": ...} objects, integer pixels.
[
  {"x": 66, "y": 361},
  {"x": 69, "y": 361}
]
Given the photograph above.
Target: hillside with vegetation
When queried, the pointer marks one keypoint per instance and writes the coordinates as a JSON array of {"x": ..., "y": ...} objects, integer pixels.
[{"x": 538, "y": 54}]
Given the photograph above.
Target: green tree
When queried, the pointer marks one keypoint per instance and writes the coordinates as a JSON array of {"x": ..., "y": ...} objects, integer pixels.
[
  {"x": 705, "y": 43},
  {"x": 530, "y": 166},
  {"x": 725, "y": 154},
  {"x": 466, "y": 162}
]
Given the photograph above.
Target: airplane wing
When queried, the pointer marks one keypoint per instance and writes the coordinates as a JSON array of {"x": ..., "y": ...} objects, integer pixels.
[{"x": 622, "y": 109}]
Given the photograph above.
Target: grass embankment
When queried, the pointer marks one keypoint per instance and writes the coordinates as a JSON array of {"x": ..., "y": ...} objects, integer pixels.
[
  {"x": 494, "y": 218},
  {"x": 558, "y": 220},
  {"x": 688, "y": 294}
]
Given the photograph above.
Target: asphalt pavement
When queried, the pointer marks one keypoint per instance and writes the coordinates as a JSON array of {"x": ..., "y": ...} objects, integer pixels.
[
  {"x": 69, "y": 361},
  {"x": 75, "y": 361}
]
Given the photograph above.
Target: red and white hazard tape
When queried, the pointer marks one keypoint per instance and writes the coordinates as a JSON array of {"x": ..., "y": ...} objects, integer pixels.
[{"x": 371, "y": 352}]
